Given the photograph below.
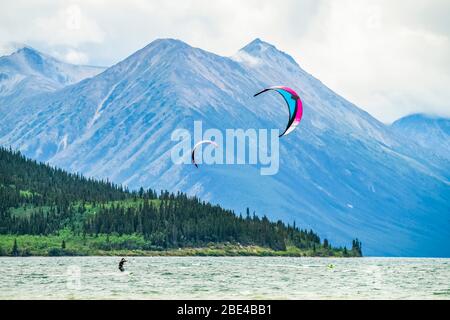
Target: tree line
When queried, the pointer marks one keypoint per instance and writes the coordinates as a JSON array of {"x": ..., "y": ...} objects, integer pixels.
[{"x": 62, "y": 200}]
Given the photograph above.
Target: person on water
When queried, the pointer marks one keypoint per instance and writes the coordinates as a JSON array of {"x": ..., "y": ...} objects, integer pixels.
[{"x": 121, "y": 264}]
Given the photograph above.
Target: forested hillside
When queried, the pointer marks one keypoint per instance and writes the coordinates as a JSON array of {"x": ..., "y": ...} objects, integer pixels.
[{"x": 39, "y": 202}]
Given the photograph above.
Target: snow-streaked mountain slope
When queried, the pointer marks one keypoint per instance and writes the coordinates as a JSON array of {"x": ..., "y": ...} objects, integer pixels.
[
  {"x": 342, "y": 172},
  {"x": 26, "y": 71},
  {"x": 432, "y": 133}
]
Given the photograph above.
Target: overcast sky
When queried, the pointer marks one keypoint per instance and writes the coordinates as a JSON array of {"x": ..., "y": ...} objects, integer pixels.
[{"x": 390, "y": 58}]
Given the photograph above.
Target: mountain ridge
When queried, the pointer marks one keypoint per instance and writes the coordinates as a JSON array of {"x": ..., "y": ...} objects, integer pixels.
[
  {"x": 27, "y": 71},
  {"x": 428, "y": 131}
]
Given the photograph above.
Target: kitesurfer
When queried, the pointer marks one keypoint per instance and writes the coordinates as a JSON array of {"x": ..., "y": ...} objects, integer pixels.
[{"x": 121, "y": 264}]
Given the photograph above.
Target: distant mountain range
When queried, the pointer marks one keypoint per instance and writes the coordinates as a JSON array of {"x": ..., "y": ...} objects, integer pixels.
[
  {"x": 429, "y": 132},
  {"x": 342, "y": 172},
  {"x": 27, "y": 71}
]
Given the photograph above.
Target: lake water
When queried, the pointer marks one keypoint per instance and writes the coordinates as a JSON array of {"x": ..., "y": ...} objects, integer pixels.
[{"x": 224, "y": 278}]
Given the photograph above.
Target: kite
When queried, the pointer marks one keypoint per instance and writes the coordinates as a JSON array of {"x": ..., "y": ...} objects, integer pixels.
[
  {"x": 294, "y": 105},
  {"x": 199, "y": 144}
]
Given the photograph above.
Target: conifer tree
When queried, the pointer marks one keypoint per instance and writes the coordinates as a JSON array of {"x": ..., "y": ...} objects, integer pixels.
[{"x": 15, "y": 249}]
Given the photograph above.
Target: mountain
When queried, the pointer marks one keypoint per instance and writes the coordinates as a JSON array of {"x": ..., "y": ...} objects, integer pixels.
[
  {"x": 8, "y": 48},
  {"x": 342, "y": 172},
  {"x": 26, "y": 71},
  {"x": 431, "y": 133}
]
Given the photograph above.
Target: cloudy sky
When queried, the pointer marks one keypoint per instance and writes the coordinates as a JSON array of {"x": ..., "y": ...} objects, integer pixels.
[{"x": 390, "y": 58}]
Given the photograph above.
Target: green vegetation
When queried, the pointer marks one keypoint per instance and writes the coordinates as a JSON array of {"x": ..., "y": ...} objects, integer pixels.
[
  {"x": 46, "y": 211},
  {"x": 68, "y": 244}
]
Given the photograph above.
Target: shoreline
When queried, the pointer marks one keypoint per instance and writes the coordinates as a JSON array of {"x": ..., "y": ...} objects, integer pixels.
[{"x": 212, "y": 250}]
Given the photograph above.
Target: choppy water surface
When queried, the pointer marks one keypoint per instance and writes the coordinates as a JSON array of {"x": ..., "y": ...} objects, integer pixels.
[{"x": 224, "y": 278}]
